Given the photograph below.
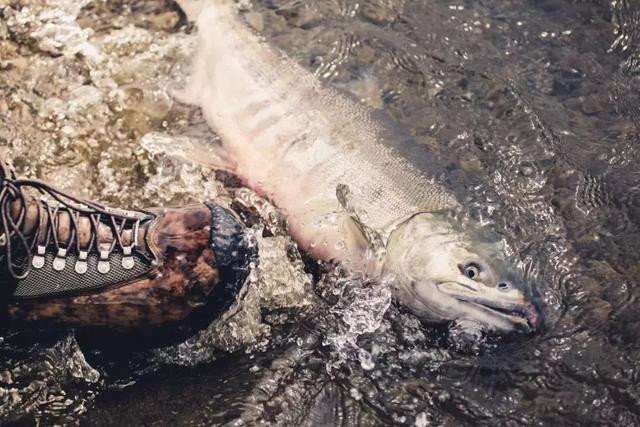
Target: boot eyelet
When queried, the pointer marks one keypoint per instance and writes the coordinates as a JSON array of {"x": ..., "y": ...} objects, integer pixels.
[
  {"x": 60, "y": 261},
  {"x": 38, "y": 259},
  {"x": 127, "y": 259},
  {"x": 81, "y": 263},
  {"x": 104, "y": 266}
]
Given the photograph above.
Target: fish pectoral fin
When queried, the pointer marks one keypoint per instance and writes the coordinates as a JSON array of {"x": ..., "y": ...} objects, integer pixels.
[
  {"x": 211, "y": 155},
  {"x": 355, "y": 237},
  {"x": 360, "y": 236},
  {"x": 361, "y": 239}
]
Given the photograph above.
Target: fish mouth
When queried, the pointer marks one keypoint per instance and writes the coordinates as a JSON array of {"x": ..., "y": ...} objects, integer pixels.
[
  {"x": 514, "y": 310},
  {"x": 524, "y": 317}
]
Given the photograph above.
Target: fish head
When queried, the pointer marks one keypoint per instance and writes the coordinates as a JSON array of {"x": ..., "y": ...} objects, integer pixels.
[{"x": 444, "y": 273}]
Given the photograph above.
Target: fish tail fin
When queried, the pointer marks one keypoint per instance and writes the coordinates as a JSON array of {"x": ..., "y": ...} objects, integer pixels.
[
  {"x": 210, "y": 16},
  {"x": 193, "y": 8}
]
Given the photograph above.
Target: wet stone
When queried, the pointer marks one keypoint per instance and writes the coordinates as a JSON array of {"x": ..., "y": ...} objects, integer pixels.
[
  {"x": 303, "y": 17},
  {"x": 255, "y": 21},
  {"x": 379, "y": 12},
  {"x": 164, "y": 21},
  {"x": 591, "y": 105}
]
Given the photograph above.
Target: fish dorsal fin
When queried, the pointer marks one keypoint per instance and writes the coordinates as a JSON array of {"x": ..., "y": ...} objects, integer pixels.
[{"x": 360, "y": 236}]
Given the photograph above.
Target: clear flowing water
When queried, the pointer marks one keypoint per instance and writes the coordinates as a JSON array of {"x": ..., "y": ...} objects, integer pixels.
[{"x": 534, "y": 105}]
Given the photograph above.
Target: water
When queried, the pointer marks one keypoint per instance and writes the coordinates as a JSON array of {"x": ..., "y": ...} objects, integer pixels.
[{"x": 536, "y": 102}]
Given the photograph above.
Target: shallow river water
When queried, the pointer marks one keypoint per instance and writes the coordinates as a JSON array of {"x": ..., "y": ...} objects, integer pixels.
[{"x": 534, "y": 104}]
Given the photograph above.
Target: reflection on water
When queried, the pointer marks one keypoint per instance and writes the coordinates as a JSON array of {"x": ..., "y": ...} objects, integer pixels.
[{"x": 535, "y": 102}]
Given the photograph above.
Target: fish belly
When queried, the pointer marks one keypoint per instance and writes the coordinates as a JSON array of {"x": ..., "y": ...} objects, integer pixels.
[{"x": 294, "y": 140}]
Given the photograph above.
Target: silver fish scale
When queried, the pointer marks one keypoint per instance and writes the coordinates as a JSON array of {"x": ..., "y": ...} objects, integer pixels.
[
  {"x": 313, "y": 136},
  {"x": 386, "y": 185}
]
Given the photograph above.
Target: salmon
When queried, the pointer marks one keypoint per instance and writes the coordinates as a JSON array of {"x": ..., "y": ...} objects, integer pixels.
[{"x": 306, "y": 146}]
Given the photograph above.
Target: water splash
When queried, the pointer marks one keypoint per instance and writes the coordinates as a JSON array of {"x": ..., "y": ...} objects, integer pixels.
[
  {"x": 359, "y": 311},
  {"x": 55, "y": 30},
  {"x": 54, "y": 383}
]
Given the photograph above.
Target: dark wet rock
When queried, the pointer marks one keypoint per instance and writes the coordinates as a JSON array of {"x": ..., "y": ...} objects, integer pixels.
[{"x": 380, "y": 12}]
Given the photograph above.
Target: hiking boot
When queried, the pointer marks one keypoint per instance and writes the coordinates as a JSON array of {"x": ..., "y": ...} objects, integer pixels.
[{"x": 74, "y": 262}]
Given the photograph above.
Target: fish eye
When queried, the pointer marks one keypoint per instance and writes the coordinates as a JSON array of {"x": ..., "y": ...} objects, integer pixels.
[{"x": 471, "y": 270}]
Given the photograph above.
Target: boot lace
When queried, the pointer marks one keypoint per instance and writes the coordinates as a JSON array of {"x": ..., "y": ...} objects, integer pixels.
[{"x": 24, "y": 252}]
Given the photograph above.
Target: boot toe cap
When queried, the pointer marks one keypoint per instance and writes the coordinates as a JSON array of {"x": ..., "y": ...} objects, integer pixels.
[{"x": 230, "y": 239}]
